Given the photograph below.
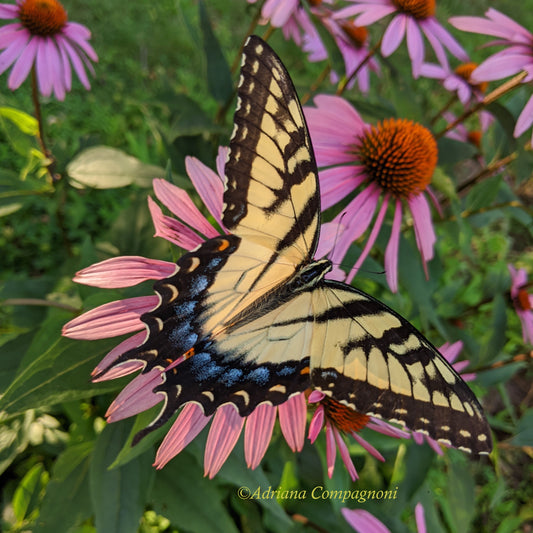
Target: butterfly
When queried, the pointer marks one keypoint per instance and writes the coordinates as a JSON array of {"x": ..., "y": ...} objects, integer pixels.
[{"x": 250, "y": 315}]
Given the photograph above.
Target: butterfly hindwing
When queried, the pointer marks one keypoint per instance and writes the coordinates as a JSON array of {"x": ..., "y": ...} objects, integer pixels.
[{"x": 375, "y": 362}]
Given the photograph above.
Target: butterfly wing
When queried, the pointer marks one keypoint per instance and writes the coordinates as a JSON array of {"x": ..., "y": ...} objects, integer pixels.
[
  {"x": 272, "y": 209},
  {"x": 369, "y": 358}
]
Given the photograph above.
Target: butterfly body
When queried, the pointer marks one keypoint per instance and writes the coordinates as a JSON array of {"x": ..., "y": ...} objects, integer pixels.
[{"x": 250, "y": 317}]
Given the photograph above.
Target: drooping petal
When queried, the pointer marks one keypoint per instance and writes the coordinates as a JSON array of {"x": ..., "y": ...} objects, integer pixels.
[
  {"x": 292, "y": 420},
  {"x": 338, "y": 182},
  {"x": 415, "y": 47},
  {"x": 363, "y": 521},
  {"x": 316, "y": 424},
  {"x": 208, "y": 184},
  {"x": 137, "y": 396},
  {"x": 185, "y": 429},
  {"x": 181, "y": 205},
  {"x": 257, "y": 433},
  {"x": 124, "y": 271},
  {"x": 331, "y": 449},
  {"x": 10, "y": 54},
  {"x": 367, "y": 446},
  {"x": 424, "y": 232},
  {"x": 371, "y": 239},
  {"x": 173, "y": 230},
  {"x": 23, "y": 65},
  {"x": 393, "y": 246},
  {"x": 394, "y": 35},
  {"x": 345, "y": 455},
  {"x": 125, "y": 368},
  {"x": 223, "y": 435},
  {"x": 420, "y": 518},
  {"x": 525, "y": 120},
  {"x": 111, "y": 319}
]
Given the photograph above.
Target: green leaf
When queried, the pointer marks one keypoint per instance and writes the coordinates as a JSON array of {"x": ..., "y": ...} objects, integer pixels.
[
  {"x": 67, "y": 502},
  {"x": 460, "y": 494},
  {"x": 498, "y": 327},
  {"x": 28, "y": 493},
  {"x": 524, "y": 430},
  {"x": 118, "y": 494},
  {"x": 218, "y": 74},
  {"x": 190, "y": 501},
  {"x": 483, "y": 194},
  {"x": 55, "y": 369},
  {"x": 24, "y": 122},
  {"x": 103, "y": 167}
]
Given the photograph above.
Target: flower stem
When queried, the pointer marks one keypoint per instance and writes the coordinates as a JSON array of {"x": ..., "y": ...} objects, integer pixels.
[
  {"x": 345, "y": 81},
  {"x": 504, "y": 88},
  {"x": 321, "y": 77},
  {"x": 40, "y": 137},
  {"x": 447, "y": 106},
  {"x": 489, "y": 170}
]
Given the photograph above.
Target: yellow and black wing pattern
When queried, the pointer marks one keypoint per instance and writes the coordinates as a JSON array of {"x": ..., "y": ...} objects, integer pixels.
[{"x": 254, "y": 319}]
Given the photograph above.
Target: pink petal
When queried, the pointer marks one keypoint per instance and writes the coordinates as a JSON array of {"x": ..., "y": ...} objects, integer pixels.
[
  {"x": 363, "y": 521},
  {"x": 432, "y": 26},
  {"x": 125, "y": 368},
  {"x": 371, "y": 239},
  {"x": 393, "y": 35},
  {"x": 8, "y": 11},
  {"x": 208, "y": 184},
  {"x": 23, "y": 65},
  {"x": 451, "y": 351},
  {"x": 338, "y": 182},
  {"x": 316, "y": 424},
  {"x": 415, "y": 47},
  {"x": 172, "y": 230},
  {"x": 43, "y": 66},
  {"x": 368, "y": 447},
  {"x": 374, "y": 14},
  {"x": 279, "y": 12},
  {"x": 124, "y": 271},
  {"x": 185, "y": 429},
  {"x": 257, "y": 433},
  {"x": 180, "y": 204},
  {"x": 77, "y": 63},
  {"x": 423, "y": 225},
  {"x": 223, "y": 435},
  {"x": 387, "y": 429},
  {"x": 79, "y": 35},
  {"x": 345, "y": 455},
  {"x": 331, "y": 449},
  {"x": 10, "y": 54},
  {"x": 357, "y": 216},
  {"x": 525, "y": 120},
  {"x": 420, "y": 518},
  {"x": 498, "y": 67},
  {"x": 111, "y": 319},
  {"x": 137, "y": 396},
  {"x": 10, "y": 32},
  {"x": 292, "y": 420},
  {"x": 393, "y": 246}
]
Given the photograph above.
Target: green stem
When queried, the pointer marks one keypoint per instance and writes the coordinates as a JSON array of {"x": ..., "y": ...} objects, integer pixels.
[{"x": 51, "y": 166}]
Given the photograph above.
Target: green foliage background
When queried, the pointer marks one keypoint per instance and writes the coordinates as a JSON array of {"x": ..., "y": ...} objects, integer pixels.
[{"x": 159, "y": 94}]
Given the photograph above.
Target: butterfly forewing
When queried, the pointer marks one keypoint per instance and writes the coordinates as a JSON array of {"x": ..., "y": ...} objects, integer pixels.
[{"x": 272, "y": 189}]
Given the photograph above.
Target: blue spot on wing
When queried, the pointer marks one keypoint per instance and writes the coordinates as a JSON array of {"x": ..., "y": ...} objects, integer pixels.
[
  {"x": 198, "y": 285},
  {"x": 286, "y": 371},
  {"x": 260, "y": 375}
]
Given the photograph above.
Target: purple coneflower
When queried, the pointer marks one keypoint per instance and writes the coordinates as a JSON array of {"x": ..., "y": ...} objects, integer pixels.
[
  {"x": 123, "y": 317},
  {"x": 392, "y": 162},
  {"x": 517, "y": 56},
  {"x": 43, "y": 38},
  {"x": 522, "y": 301},
  {"x": 458, "y": 80},
  {"x": 411, "y": 19}
]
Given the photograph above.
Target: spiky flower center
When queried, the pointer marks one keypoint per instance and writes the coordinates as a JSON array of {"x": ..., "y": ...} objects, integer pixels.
[
  {"x": 42, "y": 17},
  {"x": 419, "y": 9},
  {"x": 357, "y": 34},
  {"x": 464, "y": 70},
  {"x": 400, "y": 155},
  {"x": 344, "y": 418}
]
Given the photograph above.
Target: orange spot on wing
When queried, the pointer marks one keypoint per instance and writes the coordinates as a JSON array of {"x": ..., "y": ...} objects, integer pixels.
[
  {"x": 189, "y": 353},
  {"x": 304, "y": 371},
  {"x": 224, "y": 243}
]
